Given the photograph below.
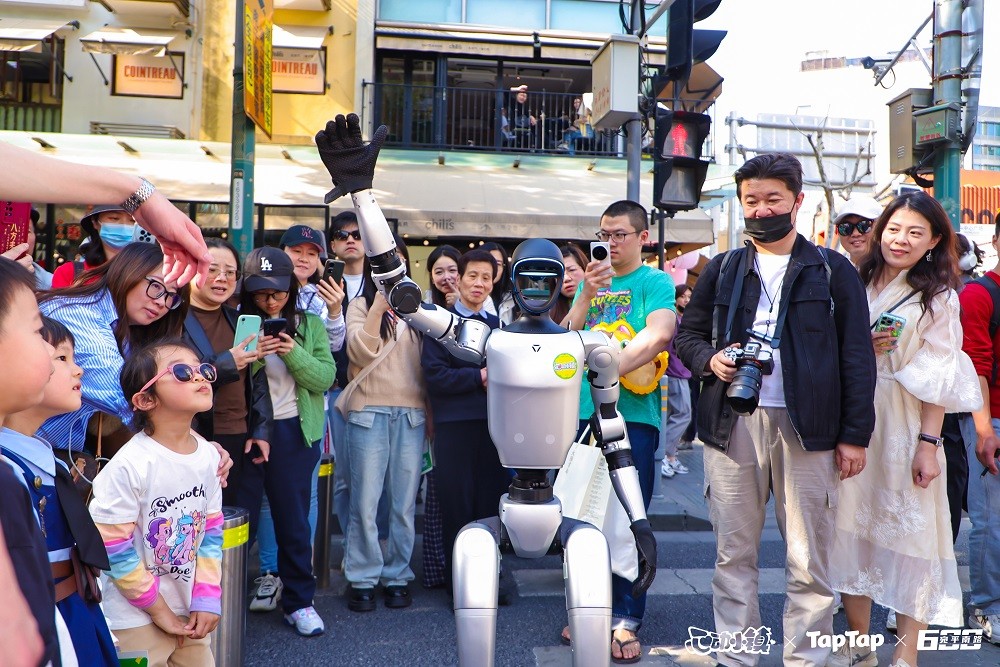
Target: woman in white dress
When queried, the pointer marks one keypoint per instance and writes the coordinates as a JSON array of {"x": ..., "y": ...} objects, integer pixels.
[{"x": 893, "y": 536}]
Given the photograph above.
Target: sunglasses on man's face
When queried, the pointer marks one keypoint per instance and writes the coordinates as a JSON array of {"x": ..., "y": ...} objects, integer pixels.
[
  {"x": 864, "y": 225},
  {"x": 343, "y": 235},
  {"x": 184, "y": 373}
]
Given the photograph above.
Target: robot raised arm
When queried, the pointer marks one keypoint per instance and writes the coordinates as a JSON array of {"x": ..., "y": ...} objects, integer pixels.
[
  {"x": 608, "y": 427},
  {"x": 351, "y": 163}
]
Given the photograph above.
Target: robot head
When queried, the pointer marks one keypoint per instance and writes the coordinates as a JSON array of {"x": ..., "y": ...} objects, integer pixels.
[{"x": 537, "y": 273}]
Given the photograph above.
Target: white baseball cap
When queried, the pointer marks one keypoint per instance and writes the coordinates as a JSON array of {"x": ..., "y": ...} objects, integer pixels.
[{"x": 859, "y": 205}]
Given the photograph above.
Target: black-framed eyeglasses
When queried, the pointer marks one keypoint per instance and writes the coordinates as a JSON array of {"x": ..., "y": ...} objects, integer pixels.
[
  {"x": 157, "y": 290},
  {"x": 184, "y": 373},
  {"x": 864, "y": 225},
  {"x": 270, "y": 296},
  {"x": 343, "y": 235},
  {"x": 618, "y": 237}
]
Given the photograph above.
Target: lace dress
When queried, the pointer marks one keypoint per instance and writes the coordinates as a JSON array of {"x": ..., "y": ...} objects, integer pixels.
[{"x": 893, "y": 539}]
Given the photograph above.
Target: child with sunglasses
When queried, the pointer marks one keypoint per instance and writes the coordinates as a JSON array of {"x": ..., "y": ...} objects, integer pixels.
[{"x": 158, "y": 507}]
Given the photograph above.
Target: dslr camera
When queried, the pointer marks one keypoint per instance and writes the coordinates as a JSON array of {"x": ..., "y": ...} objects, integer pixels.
[{"x": 753, "y": 362}]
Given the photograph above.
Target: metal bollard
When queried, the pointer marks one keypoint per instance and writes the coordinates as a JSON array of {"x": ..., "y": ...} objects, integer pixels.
[
  {"x": 324, "y": 523},
  {"x": 227, "y": 640}
]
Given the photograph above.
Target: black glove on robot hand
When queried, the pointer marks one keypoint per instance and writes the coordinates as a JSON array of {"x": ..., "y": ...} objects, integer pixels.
[
  {"x": 645, "y": 544},
  {"x": 349, "y": 160}
]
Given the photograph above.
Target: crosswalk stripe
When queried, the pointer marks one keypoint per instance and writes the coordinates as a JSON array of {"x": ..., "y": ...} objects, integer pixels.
[{"x": 549, "y": 582}]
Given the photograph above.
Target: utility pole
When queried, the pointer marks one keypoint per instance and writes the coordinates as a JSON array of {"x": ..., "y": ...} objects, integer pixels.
[
  {"x": 948, "y": 90},
  {"x": 241, "y": 208},
  {"x": 733, "y": 202},
  {"x": 633, "y": 128}
]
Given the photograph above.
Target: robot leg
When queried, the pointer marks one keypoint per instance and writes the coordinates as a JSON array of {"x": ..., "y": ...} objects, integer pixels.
[
  {"x": 588, "y": 593},
  {"x": 476, "y": 576}
]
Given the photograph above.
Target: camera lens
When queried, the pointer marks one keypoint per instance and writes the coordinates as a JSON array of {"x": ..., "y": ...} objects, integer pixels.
[
  {"x": 599, "y": 252},
  {"x": 744, "y": 392}
]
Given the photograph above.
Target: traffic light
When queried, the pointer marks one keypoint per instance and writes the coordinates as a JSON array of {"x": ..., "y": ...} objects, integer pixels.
[
  {"x": 687, "y": 77},
  {"x": 678, "y": 170}
]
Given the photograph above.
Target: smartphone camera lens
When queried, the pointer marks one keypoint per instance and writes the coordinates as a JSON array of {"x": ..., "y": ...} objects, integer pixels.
[{"x": 600, "y": 253}]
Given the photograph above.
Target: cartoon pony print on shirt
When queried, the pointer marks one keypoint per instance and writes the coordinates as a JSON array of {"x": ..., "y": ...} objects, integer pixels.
[
  {"x": 158, "y": 537},
  {"x": 183, "y": 549}
]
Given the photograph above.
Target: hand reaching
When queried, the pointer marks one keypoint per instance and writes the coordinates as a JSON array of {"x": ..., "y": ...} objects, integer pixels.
[
  {"x": 645, "y": 544},
  {"x": 350, "y": 162}
]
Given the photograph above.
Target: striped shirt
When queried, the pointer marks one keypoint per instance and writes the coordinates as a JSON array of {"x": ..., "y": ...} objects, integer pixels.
[{"x": 91, "y": 320}]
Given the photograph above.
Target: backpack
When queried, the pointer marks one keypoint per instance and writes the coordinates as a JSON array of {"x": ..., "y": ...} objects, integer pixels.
[{"x": 994, "y": 291}]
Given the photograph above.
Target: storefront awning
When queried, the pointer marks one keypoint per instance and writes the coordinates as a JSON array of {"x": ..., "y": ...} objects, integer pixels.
[
  {"x": 27, "y": 34},
  {"x": 128, "y": 41},
  {"x": 298, "y": 36}
]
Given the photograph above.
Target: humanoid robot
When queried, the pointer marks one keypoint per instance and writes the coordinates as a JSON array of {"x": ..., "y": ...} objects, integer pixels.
[{"x": 535, "y": 371}]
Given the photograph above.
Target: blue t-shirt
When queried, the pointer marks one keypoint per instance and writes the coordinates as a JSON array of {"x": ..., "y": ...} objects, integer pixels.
[{"x": 632, "y": 298}]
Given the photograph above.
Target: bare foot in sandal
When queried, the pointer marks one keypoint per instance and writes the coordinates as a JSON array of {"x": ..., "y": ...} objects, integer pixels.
[
  {"x": 625, "y": 648},
  {"x": 565, "y": 638}
]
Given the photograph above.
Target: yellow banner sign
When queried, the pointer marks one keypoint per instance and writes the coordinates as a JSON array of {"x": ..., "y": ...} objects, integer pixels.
[{"x": 257, "y": 22}]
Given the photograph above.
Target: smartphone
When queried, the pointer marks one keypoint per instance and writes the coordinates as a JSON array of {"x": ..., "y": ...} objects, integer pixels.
[
  {"x": 274, "y": 326},
  {"x": 247, "y": 325},
  {"x": 15, "y": 216},
  {"x": 334, "y": 270},
  {"x": 600, "y": 251},
  {"x": 892, "y": 323},
  {"x": 142, "y": 236}
]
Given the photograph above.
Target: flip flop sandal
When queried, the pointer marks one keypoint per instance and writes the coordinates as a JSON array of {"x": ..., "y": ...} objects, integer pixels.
[
  {"x": 621, "y": 647},
  {"x": 564, "y": 640}
]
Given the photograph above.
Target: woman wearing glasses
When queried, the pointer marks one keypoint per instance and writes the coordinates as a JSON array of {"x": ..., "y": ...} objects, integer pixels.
[
  {"x": 854, "y": 225},
  {"x": 123, "y": 305},
  {"x": 299, "y": 369},
  {"x": 241, "y": 412}
]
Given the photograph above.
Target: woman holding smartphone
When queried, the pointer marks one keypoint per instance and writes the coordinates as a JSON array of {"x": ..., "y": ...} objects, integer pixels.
[
  {"x": 892, "y": 542},
  {"x": 241, "y": 412}
]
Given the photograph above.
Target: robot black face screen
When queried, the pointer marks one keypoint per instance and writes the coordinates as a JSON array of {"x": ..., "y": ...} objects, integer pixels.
[{"x": 537, "y": 287}]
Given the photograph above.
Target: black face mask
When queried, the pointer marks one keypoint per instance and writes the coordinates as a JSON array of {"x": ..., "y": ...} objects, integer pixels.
[{"x": 769, "y": 230}]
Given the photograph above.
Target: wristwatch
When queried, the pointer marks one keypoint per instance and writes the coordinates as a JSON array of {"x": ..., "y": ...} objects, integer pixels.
[
  {"x": 934, "y": 440},
  {"x": 136, "y": 199}
]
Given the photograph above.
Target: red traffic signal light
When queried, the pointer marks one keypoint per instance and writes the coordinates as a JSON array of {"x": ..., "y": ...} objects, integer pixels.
[{"x": 678, "y": 170}]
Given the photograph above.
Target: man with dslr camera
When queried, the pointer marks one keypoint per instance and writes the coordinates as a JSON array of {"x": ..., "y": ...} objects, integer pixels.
[{"x": 789, "y": 321}]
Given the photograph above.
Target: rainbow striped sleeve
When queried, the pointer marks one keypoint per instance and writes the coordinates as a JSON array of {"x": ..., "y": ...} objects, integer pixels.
[
  {"x": 136, "y": 583},
  {"x": 207, "y": 592}
]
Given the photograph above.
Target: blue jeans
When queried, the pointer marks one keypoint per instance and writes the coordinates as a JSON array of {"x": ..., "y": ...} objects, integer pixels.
[
  {"x": 627, "y": 611},
  {"x": 386, "y": 445},
  {"x": 984, "y": 539}
]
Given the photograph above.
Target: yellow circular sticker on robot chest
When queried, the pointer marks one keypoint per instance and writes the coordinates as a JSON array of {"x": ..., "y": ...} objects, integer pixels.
[{"x": 565, "y": 365}]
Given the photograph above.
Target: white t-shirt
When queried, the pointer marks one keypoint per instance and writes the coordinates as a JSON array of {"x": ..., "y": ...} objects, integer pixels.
[
  {"x": 772, "y": 274},
  {"x": 169, "y": 497},
  {"x": 353, "y": 284},
  {"x": 282, "y": 387}
]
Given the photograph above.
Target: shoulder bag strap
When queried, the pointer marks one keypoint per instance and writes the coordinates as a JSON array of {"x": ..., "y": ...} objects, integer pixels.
[{"x": 345, "y": 395}]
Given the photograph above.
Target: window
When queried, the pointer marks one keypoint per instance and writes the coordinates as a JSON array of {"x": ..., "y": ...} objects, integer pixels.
[{"x": 421, "y": 11}]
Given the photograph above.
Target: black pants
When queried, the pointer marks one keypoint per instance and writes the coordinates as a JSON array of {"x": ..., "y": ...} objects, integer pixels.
[
  {"x": 470, "y": 479},
  {"x": 691, "y": 433},
  {"x": 234, "y": 444},
  {"x": 287, "y": 479},
  {"x": 956, "y": 470}
]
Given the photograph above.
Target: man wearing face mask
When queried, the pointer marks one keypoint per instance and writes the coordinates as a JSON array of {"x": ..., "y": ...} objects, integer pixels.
[
  {"x": 109, "y": 228},
  {"x": 806, "y": 308}
]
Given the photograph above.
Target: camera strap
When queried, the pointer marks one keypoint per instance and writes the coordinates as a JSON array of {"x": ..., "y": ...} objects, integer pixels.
[{"x": 737, "y": 295}]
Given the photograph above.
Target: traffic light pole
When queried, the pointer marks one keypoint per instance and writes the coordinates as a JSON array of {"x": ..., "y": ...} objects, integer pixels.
[
  {"x": 241, "y": 183},
  {"x": 633, "y": 130},
  {"x": 947, "y": 90}
]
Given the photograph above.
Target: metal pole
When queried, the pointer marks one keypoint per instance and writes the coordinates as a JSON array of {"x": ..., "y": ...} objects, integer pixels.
[
  {"x": 947, "y": 90},
  {"x": 661, "y": 251},
  {"x": 324, "y": 522},
  {"x": 241, "y": 184},
  {"x": 633, "y": 129},
  {"x": 228, "y": 638},
  {"x": 732, "y": 236}
]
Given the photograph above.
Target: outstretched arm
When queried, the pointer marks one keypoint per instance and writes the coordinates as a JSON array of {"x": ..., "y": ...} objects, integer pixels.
[
  {"x": 351, "y": 164},
  {"x": 608, "y": 427}
]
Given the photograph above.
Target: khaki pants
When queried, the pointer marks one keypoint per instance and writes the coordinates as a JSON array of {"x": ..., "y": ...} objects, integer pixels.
[
  {"x": 765, "y": 457},
  {"x": 162, "y": 648}
]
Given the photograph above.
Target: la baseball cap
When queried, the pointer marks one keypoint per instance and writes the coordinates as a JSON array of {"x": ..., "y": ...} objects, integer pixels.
[{"x": 267, "y": 268}]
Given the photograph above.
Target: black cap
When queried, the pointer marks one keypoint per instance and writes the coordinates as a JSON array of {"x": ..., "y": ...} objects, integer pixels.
[
  {"x": 87, "y": 221},
  {"x": 267, "y": 268},
  {"x": 299, "y": 234}
]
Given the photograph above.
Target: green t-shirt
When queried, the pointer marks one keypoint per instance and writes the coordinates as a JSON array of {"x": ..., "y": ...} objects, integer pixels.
[{"x": 631, "y": 298}]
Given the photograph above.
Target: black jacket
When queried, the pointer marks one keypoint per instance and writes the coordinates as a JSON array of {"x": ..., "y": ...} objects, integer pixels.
[
  {"x": 258, "y": 396},
  {"x": 827, "y": 360},
  {"x": 454, "y": 387}
]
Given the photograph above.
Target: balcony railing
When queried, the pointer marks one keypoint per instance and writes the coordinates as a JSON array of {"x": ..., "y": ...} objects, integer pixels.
[
  {"x": 28, "y": 117},
  {"x": 481, "y": 119}
]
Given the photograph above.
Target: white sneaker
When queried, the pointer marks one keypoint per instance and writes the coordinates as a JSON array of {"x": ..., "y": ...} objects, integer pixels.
[
  {"x": 986, "y": 623},
  {"x": 890, "y": 621},
  {"x": 900, "y": 663},
  {"x": 678, "y": 467},
  {"x": 838, "y": 603},
  {"x": 306, "y": 622},
  {"x": 268, "y": 592},
  {"x": 846, "y": 656},
  {"x": 667, "y": 470}
]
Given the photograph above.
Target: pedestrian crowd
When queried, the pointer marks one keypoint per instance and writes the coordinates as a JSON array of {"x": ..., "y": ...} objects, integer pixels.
[{"x": 859, "y": 391}]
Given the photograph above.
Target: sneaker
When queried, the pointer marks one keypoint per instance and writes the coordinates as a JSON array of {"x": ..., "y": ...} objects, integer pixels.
[
  {"x": 678, "y": 467},
  {"x": 684, "y": 445},
  {"x": 306, "y": 622},
  {"x": 268, "y": 593},
  {"x": 667, "y": 470},
  {"x": 846, "y": 656},
  {"x": 890, "y": 621},
  {"x": 986, "y": 623}
]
